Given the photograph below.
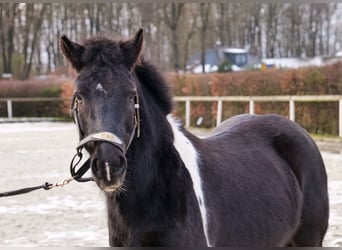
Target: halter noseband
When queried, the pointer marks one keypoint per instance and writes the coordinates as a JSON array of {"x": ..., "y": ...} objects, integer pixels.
[{"x": 101, "y": 136}]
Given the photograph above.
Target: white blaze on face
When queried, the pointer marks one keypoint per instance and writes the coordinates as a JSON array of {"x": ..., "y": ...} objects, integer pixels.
[
  {"x": 190, "y": 158},
  {"x": 100, "y": 88}
]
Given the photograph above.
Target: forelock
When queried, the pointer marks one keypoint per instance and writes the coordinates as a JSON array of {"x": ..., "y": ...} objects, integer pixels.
[{"x": 100, "y": 50}]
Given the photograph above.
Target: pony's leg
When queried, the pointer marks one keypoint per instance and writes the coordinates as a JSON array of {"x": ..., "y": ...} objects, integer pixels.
[
  {"x": 302, "y": 154},
  {"x": 308, "y": 235}
]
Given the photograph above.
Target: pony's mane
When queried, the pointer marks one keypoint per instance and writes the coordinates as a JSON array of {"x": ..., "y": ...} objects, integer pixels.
[{"x": 153, "y": 80}]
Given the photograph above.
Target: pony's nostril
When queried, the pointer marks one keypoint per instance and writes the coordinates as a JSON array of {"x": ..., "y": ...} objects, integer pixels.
[
  {"x": 115, "y": 167},
  {"x": 109, "y": 169},
  {"x": 121, "y": 170},
  {"x": 95, "y": 167}
]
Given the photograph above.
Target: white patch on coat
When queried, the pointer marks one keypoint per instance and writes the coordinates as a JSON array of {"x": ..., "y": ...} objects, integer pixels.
[
  {"x": 190, "y": 158},
  {"x": 100, "y": 88}
]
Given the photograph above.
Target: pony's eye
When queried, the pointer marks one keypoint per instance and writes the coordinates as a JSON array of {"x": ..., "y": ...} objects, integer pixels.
[
  {"x": 76, "y": 101},
  {"x": 78, "y": 98},
  {"x": 131, "y": 98}
]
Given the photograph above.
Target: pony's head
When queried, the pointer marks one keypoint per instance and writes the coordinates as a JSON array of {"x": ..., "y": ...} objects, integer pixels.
[{"x": 105, "y": 102}]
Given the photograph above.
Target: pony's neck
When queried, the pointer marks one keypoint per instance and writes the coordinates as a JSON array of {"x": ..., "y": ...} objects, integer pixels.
[{"x": 153, "y": 156}]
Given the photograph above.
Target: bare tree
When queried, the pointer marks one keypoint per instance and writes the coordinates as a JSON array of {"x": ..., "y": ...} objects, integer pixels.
[
  {"x": 255, "y": 40},
  {"x": 292, "y": 32},
  {"x": 8, "y": 14},
  {"x": 192, "y": 18},
  {"x": 222, "y": 9},
  {"x": 272, "y": 21},
  {"x": 172, "y": 14},
  {"x": 312, "y": 31},
  {"x": 34, "y": 18},
  {"x": 204, "y": 17}
]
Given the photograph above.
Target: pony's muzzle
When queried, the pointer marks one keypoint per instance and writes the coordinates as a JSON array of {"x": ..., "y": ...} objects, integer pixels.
[{"x": 108, "y": 166}]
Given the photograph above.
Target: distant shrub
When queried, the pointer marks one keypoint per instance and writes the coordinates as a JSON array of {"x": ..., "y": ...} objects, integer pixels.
[
  {"x": 225, "y": 66},
  {"x": 32, "y": 88},
  {"x": 67, "y": 88}
]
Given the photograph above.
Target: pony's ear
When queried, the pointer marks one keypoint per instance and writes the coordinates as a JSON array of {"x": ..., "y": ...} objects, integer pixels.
[
  {"x": 131, "y": 49},
  {"x": 72, "y": 51}
]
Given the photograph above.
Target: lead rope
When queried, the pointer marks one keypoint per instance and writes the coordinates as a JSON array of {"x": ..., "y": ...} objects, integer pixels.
[
  {"x": 45, "y": 186},
  {"x": 76, "y": 175}
]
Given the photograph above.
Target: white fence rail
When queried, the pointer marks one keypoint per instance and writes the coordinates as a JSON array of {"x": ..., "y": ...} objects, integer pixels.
[
  {"x": 252, "y": 99},
  {"x": 219, "y": 99},
  {"x": 10, "y": 101}
]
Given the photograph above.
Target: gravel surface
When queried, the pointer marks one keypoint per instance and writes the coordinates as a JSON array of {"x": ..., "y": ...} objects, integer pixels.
[{"x": 75, "y": 215}]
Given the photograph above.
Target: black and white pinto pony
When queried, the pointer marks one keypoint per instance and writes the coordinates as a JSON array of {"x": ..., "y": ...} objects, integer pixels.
[{"x": 257, "y": 180}]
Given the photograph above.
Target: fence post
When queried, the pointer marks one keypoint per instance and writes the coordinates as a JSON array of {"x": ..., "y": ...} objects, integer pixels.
[
  {"x": 292, "y": 109},
  {"x": 251, "y": 106},
  {"x": 219, "y": 112},
  {"x": 9, "y": 108},
  {"x": 187, "y": 113},
  {"x": 340, "y": 118}
]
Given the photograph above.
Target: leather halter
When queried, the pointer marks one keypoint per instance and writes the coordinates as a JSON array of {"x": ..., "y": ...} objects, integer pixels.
[{"x": 100, "y": 136}]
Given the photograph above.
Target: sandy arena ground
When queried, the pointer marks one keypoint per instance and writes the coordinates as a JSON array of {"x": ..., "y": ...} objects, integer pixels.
[{"x": 75, "y": 215}]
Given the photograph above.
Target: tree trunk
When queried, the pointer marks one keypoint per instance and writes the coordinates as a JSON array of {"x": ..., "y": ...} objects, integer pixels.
[
  {"x": 271, "y": 30},
  {"x": 172, "y": 18},
  {"x": 36, "y": 17},
  {"x": 188, "y": 38},
  {"x": 8, "y": 14},
  {"x": 204, "y": 16}
]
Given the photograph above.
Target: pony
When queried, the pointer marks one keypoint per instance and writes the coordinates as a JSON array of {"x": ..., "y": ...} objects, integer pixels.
[{"x": 257, "y": 180}]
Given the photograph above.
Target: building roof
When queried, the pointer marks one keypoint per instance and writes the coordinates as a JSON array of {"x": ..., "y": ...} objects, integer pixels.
[{"x": 235, "y": 50}]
